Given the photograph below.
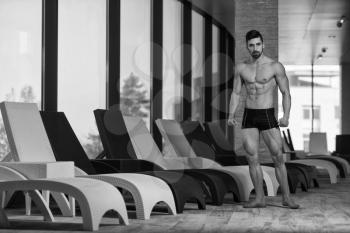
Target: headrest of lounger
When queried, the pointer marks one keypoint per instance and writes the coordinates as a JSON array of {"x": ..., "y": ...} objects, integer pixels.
[
  {"x": 175, "y": 138},
  {"x": 318, "y": 143},
  {"x": 142, "y": 140},
  {"x": 26, "y": 133}
]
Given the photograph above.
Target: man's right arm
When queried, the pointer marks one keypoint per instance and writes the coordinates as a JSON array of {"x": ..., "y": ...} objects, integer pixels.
[{"x": 234, "y": 101}]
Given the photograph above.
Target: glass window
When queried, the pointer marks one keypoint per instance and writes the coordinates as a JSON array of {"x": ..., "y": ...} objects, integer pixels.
[
  {"x": 82, "y": 67},
  {"x": 337, "y": 112},
  {"x": 300, "y": 113},
  {"x": 306, "y": 113},
  {"x": 317, "y": 113},
  {"x": 215, "y": 74},
  {"x": 326, "y": 97},
  {"x": 20, "y": 55},
  {"x": 197, "y": 66},
  {"x": 135, "y": 58},
  {"x": 305, "y": 142},
  {"x": 172, "y": 59}
]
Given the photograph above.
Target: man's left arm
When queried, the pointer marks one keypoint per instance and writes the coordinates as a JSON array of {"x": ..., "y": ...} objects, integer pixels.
[{"x": 283, "y": 85}]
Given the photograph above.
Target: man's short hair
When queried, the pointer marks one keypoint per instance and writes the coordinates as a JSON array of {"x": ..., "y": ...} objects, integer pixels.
[{"x": 253, "y": 34}]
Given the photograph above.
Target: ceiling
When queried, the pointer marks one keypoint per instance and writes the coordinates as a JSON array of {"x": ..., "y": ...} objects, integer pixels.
[
  {"x": 221, "y": 10},
  {"x": 305, "y": 27}
]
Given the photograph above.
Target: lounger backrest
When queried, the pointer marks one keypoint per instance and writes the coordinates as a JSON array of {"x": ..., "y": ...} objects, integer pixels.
[
  {"x": 64, "y": 142},
  {"x": 287, "y": 144},
  {"x": 285, "y": 147},
  {"x": 112, "y": 129},
  {"x": 143, "y": 142},
  {"x": 174, "y": 139},
  {"x": 26, "y": 133},
  {"x": 342, "y": 144},
  {"x": 197, "y": 138},
  {"x": 216, "y": 134},
  {"x": 318, "y": 143}
]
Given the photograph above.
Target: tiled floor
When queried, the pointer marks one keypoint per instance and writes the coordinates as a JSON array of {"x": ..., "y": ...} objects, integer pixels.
[{"x": 326, "y": 209}]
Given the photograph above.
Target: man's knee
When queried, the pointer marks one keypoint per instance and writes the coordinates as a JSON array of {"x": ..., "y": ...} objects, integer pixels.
[
  {"x": 278, "y": 160},
  {"x": 276, "y": 151},
  {"x": 253, "y": 160},
  {"x": 250, "y": 148}
]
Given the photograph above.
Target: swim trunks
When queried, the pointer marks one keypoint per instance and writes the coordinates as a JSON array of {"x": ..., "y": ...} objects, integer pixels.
[{"x": 262, "y": 119}]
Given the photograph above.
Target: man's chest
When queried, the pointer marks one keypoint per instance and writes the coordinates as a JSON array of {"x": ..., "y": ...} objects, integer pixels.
[{"x": 257, "y": 74}]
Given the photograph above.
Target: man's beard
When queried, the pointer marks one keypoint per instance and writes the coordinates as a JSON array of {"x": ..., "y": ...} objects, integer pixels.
[{"x": 256, "y": 54}]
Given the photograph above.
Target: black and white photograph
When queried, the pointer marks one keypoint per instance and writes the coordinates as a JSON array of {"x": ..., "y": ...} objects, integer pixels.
[{"x": 180, "y": 116}]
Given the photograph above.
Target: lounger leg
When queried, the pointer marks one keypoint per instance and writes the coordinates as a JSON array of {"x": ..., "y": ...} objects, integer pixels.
[
  {"x": 123, "y": 217},
  {"x": 42, "y": 205},
  {"x": 63, "y": 204},
  {"x": 145, "y": 211},
  {"x": 59, "y": 198},
  {"x": 201, "y": 204},
  {"x": 46, "y": 196},
  {"x": 91, "y": 220},
  {"x": 4, "y": 223},
  {"x": 271, "y": 182},
  {"x": 92, "y": 212},
  {"x": 303, "y": 186},
  {"x": 3, "y": 199},
  {"x": 332, "y": 176},
  {"x": 72, "y": 205},
  {"x": 28, "y": 203},
  {"x": 8, "y": 196}
]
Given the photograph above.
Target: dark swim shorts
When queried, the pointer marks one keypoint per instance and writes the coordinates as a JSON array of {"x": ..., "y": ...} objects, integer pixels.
[{"x": 262, "y": 119}]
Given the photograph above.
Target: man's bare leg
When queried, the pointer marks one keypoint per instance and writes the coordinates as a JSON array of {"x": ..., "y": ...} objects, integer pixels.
[
  {"x": 251, "y": 145},
  {"x": 272, "y": 138}
]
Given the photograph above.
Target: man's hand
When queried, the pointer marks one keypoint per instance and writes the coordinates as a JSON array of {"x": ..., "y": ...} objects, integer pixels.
[
  {"x": 283, "y": 122},
  {"x": 232, "y": 121}
]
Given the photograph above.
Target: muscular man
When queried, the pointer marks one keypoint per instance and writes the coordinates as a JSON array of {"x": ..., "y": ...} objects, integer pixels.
[{"x": 260, "y": 75}]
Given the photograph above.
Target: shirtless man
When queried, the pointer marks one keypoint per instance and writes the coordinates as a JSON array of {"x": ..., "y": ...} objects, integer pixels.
[{"x": 260, "y": 75}]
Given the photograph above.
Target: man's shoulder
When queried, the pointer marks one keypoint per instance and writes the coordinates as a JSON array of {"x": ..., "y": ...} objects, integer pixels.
[
  {"x": 278, "y": 66},
  {"x": 270, "y": 61},
  {"x": 273, "y": 63},
  {"x": 240, "y": 66}
]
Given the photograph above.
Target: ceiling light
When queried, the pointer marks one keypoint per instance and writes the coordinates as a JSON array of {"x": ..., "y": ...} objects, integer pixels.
[{"x": 341, "y": 21}]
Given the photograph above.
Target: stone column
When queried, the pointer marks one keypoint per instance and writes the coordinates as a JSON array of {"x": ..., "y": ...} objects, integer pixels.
[{"x": 345, "y": 97}]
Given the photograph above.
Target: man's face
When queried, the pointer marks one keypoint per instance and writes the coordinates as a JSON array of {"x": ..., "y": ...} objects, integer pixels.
[{"x": 255, "y": 47}]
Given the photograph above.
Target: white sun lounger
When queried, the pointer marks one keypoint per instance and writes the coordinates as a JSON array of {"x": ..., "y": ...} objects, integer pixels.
[
  {"x": 95, "y": 198},
  {"x": 21, "y": 118}
]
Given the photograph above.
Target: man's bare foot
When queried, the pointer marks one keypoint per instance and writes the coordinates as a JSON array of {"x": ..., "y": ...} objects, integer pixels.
[
  {"x": 255, "y": 204},
  {"x": 290, "y": 203}
]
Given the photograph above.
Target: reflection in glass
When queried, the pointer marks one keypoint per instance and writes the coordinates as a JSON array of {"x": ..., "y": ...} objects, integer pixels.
[
  {"x": 135, "y": 58},
  {"x": 172, "y": 59},
  {"x": 215, "y": 74},
  {"x": 20, "y": 56},
  {"x": 81, "y": 67},
  {"x": 197, "y": 66}
]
